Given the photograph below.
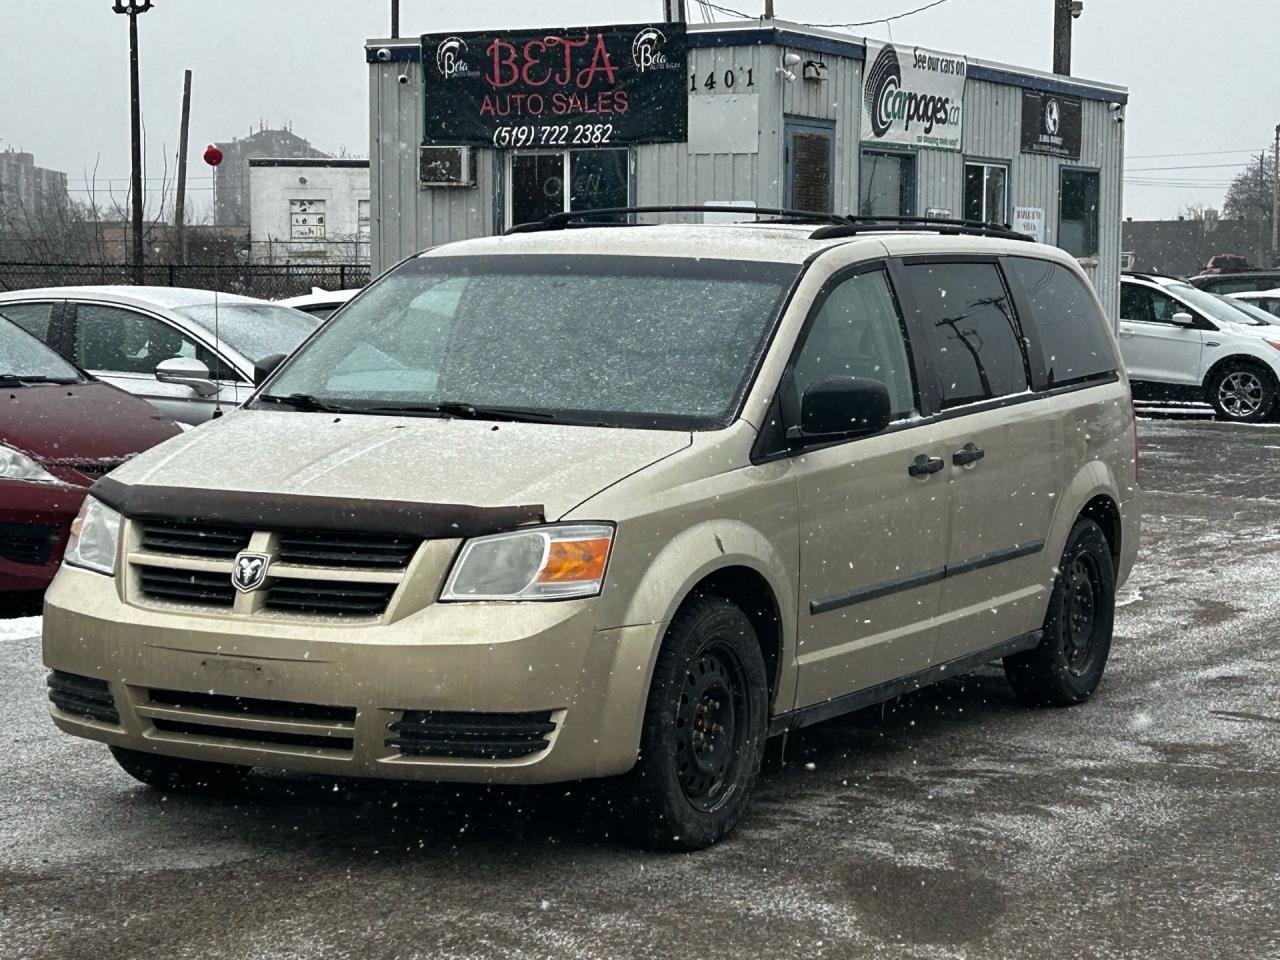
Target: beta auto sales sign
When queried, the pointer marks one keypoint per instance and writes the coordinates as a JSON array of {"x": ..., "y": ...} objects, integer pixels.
[
  {"x": 579, "y": 87},
  {"x": 912, "y": 97}
]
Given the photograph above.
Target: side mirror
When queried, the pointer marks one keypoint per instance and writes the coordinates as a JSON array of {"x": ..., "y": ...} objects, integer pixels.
[
  {"x": 843, "y": 407},
  {"x": 1183, "y": 319},
  {"x": 266, "y": 367},
  {"x": 187, "y": 372}
]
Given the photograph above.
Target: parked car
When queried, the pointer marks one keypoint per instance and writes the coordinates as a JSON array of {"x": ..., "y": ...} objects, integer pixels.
[
  {"x": 185, "y": 351},
  {"x": 1182, "y": 343},
  {"x": 1225, "y": 283},
  {"x": 319, "y": 303},
  {"x": 1227, "y": 263},
  {"x": 617, "y": 502},
  {"x": 60, "y": 430},
  {"x": 1268, "y": 300}
]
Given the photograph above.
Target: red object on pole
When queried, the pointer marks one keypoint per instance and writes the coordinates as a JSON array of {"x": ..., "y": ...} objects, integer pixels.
[{"x": 212, "y": 155}]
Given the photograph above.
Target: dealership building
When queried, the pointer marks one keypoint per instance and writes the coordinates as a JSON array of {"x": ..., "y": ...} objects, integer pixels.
[{"x": 471, "y": 133}]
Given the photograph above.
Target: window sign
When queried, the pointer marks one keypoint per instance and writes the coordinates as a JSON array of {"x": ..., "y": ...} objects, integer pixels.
[
  {"x": 306, "y": 219},
  {"x": 1050, "y": 124},
  {"x": 1029, "y": 220},
  {"x": 539, "y": 89}
]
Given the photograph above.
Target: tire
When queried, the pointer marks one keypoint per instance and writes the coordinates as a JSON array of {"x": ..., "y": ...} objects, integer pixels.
[
  {"x": 178, "y": 774},
  {"x": 709, "y": 690},
  {"x": 1067, "y": 665},
  {"x": 1242, "y": 393}
]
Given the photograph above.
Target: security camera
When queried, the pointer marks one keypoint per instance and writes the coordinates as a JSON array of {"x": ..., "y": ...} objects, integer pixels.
[
  {"x": 1115, "y": 107},
  {"x": 383, "y": 55},
  {"x": 403, "y": 78},
  {"x": 1077, "y": 8}
]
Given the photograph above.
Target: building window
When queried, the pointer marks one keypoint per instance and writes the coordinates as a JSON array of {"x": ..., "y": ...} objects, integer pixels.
[
  {"x": 888, "y": 184},
  {"x": 810, "y": 160},
  {"x": 306, "y": 219},
  {"x": 362, "y": 219},
  {"x": 596, "y": 179},
  {"x": 986, "y": 192},
  {"x": 1078, "y": 213}
]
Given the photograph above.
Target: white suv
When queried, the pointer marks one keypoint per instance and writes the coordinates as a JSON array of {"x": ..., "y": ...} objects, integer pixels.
[{"x": 1181, "y": 343}]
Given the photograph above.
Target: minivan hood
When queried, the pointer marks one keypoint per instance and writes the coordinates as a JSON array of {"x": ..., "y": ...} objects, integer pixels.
[{"x": 428, "y": 460}]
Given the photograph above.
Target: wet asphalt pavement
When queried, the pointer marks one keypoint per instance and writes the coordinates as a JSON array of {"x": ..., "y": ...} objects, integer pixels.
[{"x": 953, "y": 824}]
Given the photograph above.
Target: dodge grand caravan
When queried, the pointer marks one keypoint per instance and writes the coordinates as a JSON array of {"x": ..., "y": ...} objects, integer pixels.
[{"x": 616, "y": 502}]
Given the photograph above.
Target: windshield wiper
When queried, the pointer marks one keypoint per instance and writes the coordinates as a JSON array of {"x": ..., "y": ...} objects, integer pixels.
[
  {"x": 22, "y": 379},
  {"x": 305, "y": 402},
  {"x": 464, "y": 411}
]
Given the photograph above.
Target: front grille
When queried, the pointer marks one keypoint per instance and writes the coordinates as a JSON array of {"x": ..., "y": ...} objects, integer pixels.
[
  {"x": 318, "y": 741},
  {"x": 187, "y": 586},
  {"x": 193, "y": 539},
  {"x": 338, "y": 549},
  {"x": 27, "y": 542},
  {"x": 329, "y": 597},
  {"x": 489, "y": 736},
  {"x": 83, "y": 696},
  {"x": 279, "y": 709}
]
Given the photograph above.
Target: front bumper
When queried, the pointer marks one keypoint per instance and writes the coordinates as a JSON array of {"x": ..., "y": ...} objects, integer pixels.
[
  {"x": 34, "y": 521},
  {"x": 482, "y": 658}
]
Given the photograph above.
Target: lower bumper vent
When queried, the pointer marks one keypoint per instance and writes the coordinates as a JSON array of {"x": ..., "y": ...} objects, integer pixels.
[
  {"x": 83, "y": 697},
  {"x": 488, "y": 736},
  {"x": 27, "y": 542},
  {"x": 310, "y": 740}
]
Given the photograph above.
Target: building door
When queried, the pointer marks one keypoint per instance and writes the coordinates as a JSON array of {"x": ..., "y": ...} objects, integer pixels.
[
  {"x": 887, "y": 184},
  {"x": 809, "y": 159},
  {"x": 543, "y": 183}
]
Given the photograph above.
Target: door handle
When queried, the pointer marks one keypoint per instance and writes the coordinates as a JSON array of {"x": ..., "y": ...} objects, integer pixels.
[
  {"x": 924, "y": 465},
  {"x": 967, "y": 454}
]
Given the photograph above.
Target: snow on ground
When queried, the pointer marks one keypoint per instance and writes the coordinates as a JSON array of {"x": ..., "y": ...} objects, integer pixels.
[{"x": 19, "y": 629}]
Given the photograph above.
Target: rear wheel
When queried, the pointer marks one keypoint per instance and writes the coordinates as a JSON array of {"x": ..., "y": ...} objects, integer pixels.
[
  {"x": 704, "y": 729},
  {"x": 177, "y": 773},
  {"x": 1242, "y": 392},
  {"x": 1067, "y": 665}
]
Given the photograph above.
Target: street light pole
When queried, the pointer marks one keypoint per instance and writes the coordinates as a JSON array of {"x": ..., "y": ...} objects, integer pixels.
[
  {"x": 1062, "y": 36},
  {"x": 395, "y": 18},
  {"x": 132, "y": 8},
  {"x": 1275, "y": 201}
]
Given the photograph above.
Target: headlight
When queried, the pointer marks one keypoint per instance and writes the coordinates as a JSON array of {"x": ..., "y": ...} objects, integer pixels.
[
  {"x": 18, "y": 466},
  {"x": 545, "y": 563},
  {"x": 95, "y": 532}
]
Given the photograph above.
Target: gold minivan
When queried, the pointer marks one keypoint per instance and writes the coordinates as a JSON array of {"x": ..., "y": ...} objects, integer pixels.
[{"x": 621, "y": 502}]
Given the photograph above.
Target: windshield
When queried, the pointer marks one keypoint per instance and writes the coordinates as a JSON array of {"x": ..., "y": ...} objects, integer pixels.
[
  {"x": 1218, "y": 308},
  {"x": 1256, "y": 314},
  {"x": 253, "y": 330},
  {"x": 23, "y": 357},
  {"x": 627, "y": 341}
]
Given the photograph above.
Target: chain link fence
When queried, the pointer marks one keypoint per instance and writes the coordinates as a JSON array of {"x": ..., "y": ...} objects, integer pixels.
[{"x": 266, "y": 281}]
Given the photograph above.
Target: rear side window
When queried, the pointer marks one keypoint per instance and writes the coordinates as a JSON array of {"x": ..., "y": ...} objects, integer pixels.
[
  {"x": 969, "y": 336},
  {"x": 31, "y": 317},
  {"x": 1070, "y": 327}
]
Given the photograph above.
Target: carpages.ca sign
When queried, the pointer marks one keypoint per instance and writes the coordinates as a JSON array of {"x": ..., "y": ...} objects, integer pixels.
[
  {"x": 912, "y": 98},
  {"x": 579, "y": 87}
]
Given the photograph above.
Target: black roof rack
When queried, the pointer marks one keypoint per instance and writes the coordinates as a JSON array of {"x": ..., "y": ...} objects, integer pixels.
[
  {"x": 591, "y": 218},
  {"x": 970, "y": 228}
]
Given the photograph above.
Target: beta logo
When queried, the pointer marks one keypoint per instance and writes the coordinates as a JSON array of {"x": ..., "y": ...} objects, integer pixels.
[
  {"x": 1052, "y": 117},
  {"x": 646, "y": 50},
  {"x": 449, "y": 57}
]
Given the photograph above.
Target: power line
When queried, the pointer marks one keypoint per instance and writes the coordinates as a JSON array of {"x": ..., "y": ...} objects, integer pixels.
[
  {"x": 1196, "y": 166},
  {"x": 1202, "y": 153},
  {"x": 872, "y": 23}
]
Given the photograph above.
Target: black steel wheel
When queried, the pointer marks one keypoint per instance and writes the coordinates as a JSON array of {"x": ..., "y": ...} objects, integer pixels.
[
  {"x": 1067, "y": 665},
  {"x": 704, "y": 730},
  {"x": 1242, "y": 392}
]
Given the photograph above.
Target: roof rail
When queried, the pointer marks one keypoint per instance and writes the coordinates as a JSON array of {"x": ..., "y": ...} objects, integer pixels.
[
  {"x": 972, "y": 228},
  {"x": 588, "y": 218}
]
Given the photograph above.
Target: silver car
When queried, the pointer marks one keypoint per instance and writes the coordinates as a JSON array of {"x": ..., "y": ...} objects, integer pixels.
[{"x": 183, "y": 350}]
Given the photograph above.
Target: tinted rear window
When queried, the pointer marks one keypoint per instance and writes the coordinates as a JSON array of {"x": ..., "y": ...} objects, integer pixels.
[
  {"x": 970, "y": 337},
  {"x": 1071, "y": 328}
]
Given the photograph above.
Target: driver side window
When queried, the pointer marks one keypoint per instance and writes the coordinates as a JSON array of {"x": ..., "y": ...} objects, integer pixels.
[
  {"x": 1148, "y": 306},
  {"x": 858, "y": 333}
]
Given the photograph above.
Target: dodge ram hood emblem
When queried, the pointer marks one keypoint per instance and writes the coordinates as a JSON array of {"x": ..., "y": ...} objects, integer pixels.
[{"x": 250, "y": 571}]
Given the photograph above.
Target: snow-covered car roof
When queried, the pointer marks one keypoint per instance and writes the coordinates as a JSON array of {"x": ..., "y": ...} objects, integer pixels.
[
  {"x": 318, "y": 297},
  {"x": 168, "y": 297}
]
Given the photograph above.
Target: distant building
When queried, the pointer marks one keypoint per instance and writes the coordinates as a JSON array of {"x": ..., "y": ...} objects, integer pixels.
[
  {"x": 1181, "y": 248},
  {"x": 28, "y": 194},
  {"x": 307, "y": 210},
  {"x": 231, "y": 177}
]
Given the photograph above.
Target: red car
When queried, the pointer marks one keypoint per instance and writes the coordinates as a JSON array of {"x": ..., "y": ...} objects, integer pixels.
[{"x": 60, "y": 430}]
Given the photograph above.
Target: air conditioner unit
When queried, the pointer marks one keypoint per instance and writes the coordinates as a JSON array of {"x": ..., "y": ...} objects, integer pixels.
[{"x": 446, "y": 167}]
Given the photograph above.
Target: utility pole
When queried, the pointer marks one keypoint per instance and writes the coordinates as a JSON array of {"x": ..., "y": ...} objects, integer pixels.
[
  {"x": 1275, "y": 201},
  {"x": 1062, "y": 36},
  {"x": 768, "y": 9},
  {"x": 395, "y": 18},
  {"x": 132, "y": 8},
  {"x": 180, "y": 206}
]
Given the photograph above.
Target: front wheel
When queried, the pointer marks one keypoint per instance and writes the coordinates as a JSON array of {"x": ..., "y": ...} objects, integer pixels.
[
  {"x": 1067, "y": 665},
  {"x": 1243, "y": 393},
  {"x": 704, "y": 729},
  {"x": 179, "y": 774}
]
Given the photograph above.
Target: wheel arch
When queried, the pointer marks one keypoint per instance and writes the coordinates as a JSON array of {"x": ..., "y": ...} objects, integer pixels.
[{"x": 1244, "y": 359}]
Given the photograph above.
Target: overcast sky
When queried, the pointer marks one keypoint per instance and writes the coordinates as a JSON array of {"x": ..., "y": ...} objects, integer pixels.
[{"x": 1204, "y": 92}]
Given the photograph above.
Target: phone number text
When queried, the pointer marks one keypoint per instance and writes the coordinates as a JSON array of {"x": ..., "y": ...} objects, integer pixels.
[{"x": 553, "y": 135}]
